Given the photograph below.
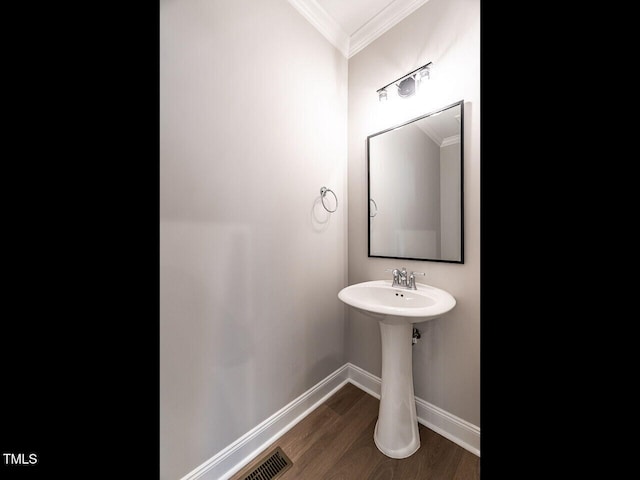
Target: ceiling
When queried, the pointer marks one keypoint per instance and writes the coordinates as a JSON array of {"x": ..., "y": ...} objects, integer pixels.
[{"x": 351, "y": 25}]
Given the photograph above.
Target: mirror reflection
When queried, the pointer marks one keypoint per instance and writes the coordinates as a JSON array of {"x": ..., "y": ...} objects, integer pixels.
[{"x": 415, "y": 188}]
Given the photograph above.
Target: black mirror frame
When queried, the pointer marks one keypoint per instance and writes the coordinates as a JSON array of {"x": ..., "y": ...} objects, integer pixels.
[{"x": 461, "y": 261}]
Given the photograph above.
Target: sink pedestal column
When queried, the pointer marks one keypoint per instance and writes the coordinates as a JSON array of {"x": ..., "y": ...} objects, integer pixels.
[{"x": 396, "y": 434}]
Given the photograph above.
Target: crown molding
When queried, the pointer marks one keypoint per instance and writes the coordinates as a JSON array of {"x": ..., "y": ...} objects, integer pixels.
[
  {"x": 324, "y": 23},
  {"x": 453, "y": 139},
  {"x": 389, "y": 16},
  {"x": 437, "y": 139}
]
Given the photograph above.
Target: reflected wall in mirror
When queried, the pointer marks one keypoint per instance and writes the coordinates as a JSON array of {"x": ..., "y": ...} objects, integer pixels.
[{"x": 415, "y": 175}]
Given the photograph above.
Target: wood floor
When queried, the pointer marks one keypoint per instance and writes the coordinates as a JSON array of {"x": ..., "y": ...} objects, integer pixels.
[{"x": 335, "y": 442}]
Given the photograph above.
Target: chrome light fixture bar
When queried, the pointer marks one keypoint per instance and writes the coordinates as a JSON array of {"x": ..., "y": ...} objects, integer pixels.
[{"x": 407, "y": 83}]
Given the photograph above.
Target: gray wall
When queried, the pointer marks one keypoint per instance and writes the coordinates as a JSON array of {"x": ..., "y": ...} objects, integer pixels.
[
  {"x": 447, "y": 32},
  {"x": 253, "y": 112},
  {"x": 450, "y": 200}
]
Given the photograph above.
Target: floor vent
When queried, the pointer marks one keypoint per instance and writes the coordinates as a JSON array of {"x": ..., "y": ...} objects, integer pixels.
[{"x": 271, "y": 467}]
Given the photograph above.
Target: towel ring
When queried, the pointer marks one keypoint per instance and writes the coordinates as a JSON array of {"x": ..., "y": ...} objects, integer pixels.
[
  {"x": 323, "y": 192},
  {"x": 376, "y": 205}
]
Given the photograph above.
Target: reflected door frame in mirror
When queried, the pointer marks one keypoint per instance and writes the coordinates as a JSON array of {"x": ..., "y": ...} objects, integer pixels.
[{"x": 426, "y": 232}]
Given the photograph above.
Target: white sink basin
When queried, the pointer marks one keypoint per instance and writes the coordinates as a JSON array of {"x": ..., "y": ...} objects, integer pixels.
[
  {"x": 396, "y": 309},
  {"x": 379, "y": 297}
]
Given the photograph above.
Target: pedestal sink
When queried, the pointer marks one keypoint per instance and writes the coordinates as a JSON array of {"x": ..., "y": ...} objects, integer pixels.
[{"x": 397, "y": 309}]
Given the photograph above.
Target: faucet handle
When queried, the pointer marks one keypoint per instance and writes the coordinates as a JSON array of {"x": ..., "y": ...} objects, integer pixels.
[{"x": 412, "y": 280}]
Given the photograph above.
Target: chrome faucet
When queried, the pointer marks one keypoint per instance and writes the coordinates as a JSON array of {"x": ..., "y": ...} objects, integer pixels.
[
  {"x": 402, "y": 277},
  {"x": 402, "y": 280}
]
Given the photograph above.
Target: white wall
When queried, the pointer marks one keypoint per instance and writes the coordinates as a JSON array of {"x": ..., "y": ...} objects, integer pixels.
[
  {"x": 253, "y": 112},
  {"x": 446, "y": 361}
]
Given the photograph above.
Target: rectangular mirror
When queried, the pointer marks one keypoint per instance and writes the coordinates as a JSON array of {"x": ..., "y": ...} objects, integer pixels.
[{"x": 415, "y": 173}]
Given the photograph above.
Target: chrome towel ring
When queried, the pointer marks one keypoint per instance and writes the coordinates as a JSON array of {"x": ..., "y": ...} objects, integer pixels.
[{"x": 323, "y": 192}]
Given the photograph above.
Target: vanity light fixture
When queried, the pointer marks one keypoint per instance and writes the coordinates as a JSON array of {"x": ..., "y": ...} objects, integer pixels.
[{"x": 408, "y": 83}]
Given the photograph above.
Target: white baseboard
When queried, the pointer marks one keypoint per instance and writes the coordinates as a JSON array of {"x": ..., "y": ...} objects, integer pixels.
[
  {"x": 231, "y": 459},
  {"x": 459, "y": 431},
  {"x": 364, "y": 380}
]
